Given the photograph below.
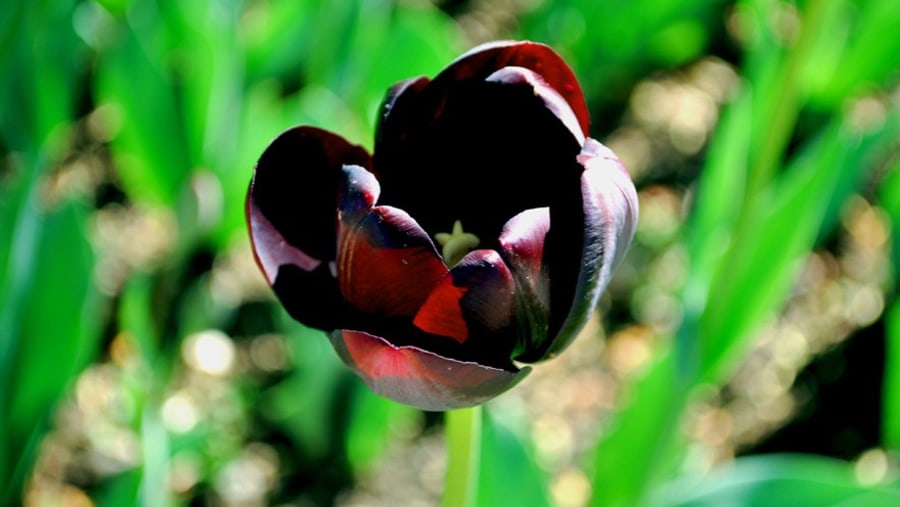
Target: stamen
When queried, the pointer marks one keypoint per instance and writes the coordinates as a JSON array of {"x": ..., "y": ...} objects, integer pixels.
[{"x": 456, "y": 244}]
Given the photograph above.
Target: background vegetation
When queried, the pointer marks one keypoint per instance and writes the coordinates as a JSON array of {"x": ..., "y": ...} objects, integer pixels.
[{"x": 748, "y": 352}]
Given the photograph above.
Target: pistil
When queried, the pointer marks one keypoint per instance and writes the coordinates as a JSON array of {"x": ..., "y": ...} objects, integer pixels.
[{"x": 456, "y": 244}]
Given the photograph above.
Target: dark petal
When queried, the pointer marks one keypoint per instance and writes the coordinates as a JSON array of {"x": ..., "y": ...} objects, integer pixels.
[
  {"x": 522, "y": 246},
  {"x": 474, "y": 305},
  {"x": 312, "y": 297},
  {"x": 291, "y": 213},
  {"x": 553, "y": 101},
  {"x": 357, "y": 194},
  {"x": 484, "y": 60},
  {"x": 610, "y": 214},
  {"x": 387, "y": 265},
  {"x": 419, "y": 378},
  {"x": 399, "y": 101},
  {"x": 495, "y": 150},
  {"x": 271, "y": 249}
]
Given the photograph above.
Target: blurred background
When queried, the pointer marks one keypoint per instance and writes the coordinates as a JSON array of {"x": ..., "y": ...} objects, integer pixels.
[{"x": 749, "y": 345}]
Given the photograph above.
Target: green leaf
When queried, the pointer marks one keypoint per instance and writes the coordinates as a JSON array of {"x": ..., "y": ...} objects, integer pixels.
[
  {"x": 868, "y": 57},
  {"x": 41, "y": 58},
  {"x": 49, "y": 326},
  {"x": 373, "y": 422},
  {"x": 639, "y": 447},
  {"x": 890, "y": 422},
  {"x": 309, "y": 405},
  {"x": 509, "y": 474},
  {"x": 777, "y": 481},
  {"x": 753, "y": 279},
  {"x": 889, "y": 197},
  {"x": 123, "y": 489},
  {"x": 426, "y": 37},
  {"x": 277, "y": 38},
  {"x": 720, "y": 193},
  {"x": 209, "y": 80},
  {"x": 149, "y": 143}
]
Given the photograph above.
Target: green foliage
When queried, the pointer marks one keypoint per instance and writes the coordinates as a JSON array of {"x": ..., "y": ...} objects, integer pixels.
[
  {"x": 507, "y": 459},
  {"x": 47, "y": 335},
  {"x": 776, "y": 481}
]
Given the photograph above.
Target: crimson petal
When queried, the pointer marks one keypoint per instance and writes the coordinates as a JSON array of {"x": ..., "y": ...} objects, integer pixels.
[
  {"x": 297, "y": 177},
  {"x": 387, "y": 265},
  {"x": 420, "y": 378},
  {"x": 474, "y": 305}
]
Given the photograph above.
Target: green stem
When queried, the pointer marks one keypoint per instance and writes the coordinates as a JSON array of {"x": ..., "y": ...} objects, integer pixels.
[{"x": 463, "y": 431}]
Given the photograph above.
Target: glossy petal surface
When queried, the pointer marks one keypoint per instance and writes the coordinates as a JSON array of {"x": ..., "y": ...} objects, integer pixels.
[
  {"x": 387, "y": 266},
  {"x": 610, "y": 216},
  {"x": 419, "y": 378}
]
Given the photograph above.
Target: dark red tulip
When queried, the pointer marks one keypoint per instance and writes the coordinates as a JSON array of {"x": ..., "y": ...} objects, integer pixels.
[{"x": 479, "y": 235}]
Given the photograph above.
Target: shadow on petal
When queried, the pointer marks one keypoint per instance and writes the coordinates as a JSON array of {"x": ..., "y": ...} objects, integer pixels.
[
  {"x": 522, "y": 247},
  {"x": 295, "y": 187},
  {"x": 290, "y": 211},
  {"x": 483, "y": 60}
]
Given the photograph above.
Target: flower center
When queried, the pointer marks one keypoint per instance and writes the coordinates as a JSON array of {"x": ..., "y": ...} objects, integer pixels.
[{"x": 456, "y": 244}]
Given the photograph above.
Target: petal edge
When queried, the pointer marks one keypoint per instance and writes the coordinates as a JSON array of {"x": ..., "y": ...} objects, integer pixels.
[{"x": 419, "y": 378}]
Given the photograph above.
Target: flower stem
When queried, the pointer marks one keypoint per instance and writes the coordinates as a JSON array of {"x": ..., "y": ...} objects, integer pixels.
[{"x": 463, "y": 433}]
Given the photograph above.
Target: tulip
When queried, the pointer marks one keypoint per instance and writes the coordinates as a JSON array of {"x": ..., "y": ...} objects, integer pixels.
[{"x": 476, "y": 238}]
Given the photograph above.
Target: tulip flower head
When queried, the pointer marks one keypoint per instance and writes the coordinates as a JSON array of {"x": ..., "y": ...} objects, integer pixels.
[{"x": 476, "y": 238}]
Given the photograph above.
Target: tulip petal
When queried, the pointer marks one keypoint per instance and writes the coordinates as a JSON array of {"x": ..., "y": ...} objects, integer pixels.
[
  {"x": 290, "y": 211},
  {"x": 496, "y": 149},
  {"x": 387, "y": 265},
  {"x": 420, "y": 378},
  {"x": 610, "y": 214},
  {"x": 475, "y": 300},
  {"x": 357, "y": 194},
  {"x": 522, "y": 246},
  {"x": 553, "y": 101},
  {"x": 610, "y": 193},
  {"x": 399, "y": 101},
  {"x": 482, "y": 61}
]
